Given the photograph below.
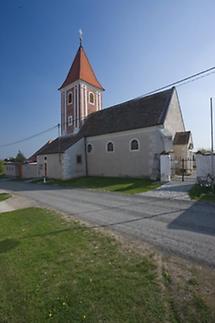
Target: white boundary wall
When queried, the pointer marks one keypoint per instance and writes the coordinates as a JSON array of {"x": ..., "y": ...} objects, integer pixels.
[
  {"x": 205, "y": 164},
  {"x": 29, "y": 170},
  {"x": 165, "y": 168}
]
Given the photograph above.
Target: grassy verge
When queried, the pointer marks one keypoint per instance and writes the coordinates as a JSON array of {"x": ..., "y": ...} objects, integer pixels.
[
  {"x": 198, "y": 192},
  {"x": 61, "y": 271},
  {"x": 110, "y": 184},
  {"x": 4, "y": 196}
]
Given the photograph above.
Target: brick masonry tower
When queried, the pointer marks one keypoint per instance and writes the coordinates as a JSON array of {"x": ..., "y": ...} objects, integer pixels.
[{"x": 81, "y": 94}]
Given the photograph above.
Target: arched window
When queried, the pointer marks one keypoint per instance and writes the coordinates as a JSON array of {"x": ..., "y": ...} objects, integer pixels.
[
  {"x": 70, "y": 98},
  {"x": 110, "y": 146},
  {"x": 134, "y": 144},
  {"x": 91, "y": 97},
  {"x": 89, "y": 148}
]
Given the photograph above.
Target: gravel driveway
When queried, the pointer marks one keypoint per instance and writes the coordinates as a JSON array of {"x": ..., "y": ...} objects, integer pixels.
[{"x": 174, "y": 190}]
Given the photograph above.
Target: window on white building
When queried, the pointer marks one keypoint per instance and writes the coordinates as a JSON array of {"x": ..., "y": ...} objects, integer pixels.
[
  {"x": 110, "y": 147},
  {"x": 89, "y": 148},
  {"x": 134, "y": 145},
  {"x": 79, "y": 159}
]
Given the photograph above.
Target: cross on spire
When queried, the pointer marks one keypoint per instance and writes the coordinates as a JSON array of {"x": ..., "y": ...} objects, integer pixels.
[{"x": 80, "y": 37}]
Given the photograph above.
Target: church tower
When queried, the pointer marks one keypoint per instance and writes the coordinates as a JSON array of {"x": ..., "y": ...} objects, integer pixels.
[{"x": 81, "y": 94}]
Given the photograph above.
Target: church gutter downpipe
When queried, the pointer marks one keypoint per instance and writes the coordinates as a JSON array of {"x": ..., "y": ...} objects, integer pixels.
[
  {"x": 212, "y": 138},
  {"x": 59, "y": 142},
  {"x": 86, "y": 161}
]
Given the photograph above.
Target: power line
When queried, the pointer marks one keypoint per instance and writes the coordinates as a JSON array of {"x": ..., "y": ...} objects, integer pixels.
[
  {"x": 185, "y": 80},
  {"x": 30, "y": 137}
]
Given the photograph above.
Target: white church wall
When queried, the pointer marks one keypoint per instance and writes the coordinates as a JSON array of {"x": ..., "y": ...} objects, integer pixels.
[
  {"x": 122, "y": 161},
  {"x": 72, "y": 167},
  {"x": 174, "y": 120},
  {"x": 167, "y": 139}
]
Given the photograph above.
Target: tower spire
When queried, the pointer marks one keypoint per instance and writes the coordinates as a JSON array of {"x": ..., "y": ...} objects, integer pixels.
[
  {"x": 81, "y": 93},
  {"x": 80, "y": 37}
]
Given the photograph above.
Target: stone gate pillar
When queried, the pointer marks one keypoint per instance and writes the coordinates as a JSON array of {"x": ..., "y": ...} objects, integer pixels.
[{"x": 165, "y": 167}]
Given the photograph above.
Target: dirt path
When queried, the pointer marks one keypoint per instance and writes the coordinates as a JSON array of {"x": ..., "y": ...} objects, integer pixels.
[{"x": 15, "y": 202}]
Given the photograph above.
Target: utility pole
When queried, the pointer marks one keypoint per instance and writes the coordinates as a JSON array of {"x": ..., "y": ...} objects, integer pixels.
[
  {"x": 212, "y": 138},
  {"x": 58, "y": 126}
]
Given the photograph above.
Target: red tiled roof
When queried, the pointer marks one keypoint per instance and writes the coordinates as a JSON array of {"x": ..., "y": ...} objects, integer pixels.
[
  {"x": 81, "y": 69},
  {"x": 33, "y": 158}
]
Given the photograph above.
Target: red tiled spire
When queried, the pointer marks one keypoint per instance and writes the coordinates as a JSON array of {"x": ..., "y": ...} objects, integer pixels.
[{"x": 81, "y": 69}]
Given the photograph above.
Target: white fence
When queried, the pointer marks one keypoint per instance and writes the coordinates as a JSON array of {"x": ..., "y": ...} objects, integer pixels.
[
  {"x": 205, "y": 164},
  {"x": 29, "y": 170},
  {"x": 11, "y": 169}
]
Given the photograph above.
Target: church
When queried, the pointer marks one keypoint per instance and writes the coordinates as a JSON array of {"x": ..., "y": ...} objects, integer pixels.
[{"x": 123, "y": 140}]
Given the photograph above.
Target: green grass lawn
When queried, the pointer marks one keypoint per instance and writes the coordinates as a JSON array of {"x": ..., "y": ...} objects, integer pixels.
[
  {"x": 198, "y": 192},
  {"x": 4, "y": 196},
  {"x": 110, "y": 184},
  {"x": 61, "y": 271}
]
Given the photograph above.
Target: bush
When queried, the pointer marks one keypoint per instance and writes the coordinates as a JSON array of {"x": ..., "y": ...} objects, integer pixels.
[
  {"x": 200, "y": 192},
  {"x": 1, "y": 167}
]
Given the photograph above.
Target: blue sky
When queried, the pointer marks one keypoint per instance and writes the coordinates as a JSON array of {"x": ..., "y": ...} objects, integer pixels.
[{"x": 134, "y": 46}]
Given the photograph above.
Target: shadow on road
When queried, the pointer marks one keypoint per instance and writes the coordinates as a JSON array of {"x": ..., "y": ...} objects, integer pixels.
[
  {"x": 199, "y": 218},
  {"x": 17, "y": 186}
]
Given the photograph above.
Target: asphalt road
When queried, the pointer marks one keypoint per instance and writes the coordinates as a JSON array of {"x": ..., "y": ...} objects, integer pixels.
[{"x": 180, "y": 227}]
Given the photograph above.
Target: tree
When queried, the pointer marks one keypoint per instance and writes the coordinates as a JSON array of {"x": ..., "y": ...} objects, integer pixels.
[
  {"x": 204, "y": 151},
  {"x": 1, "y": 167},
  {"x": 20, "y": 157}
]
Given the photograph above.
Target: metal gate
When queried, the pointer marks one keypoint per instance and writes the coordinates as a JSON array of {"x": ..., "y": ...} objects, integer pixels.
[{"x": 183, "y": 169}]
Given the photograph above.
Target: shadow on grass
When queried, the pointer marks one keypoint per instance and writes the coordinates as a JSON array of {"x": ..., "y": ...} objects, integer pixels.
[
  {"x": 108, "y": 184},
  {"x": 8, "y": 244},
  {"x": 50, "y": 233}
]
